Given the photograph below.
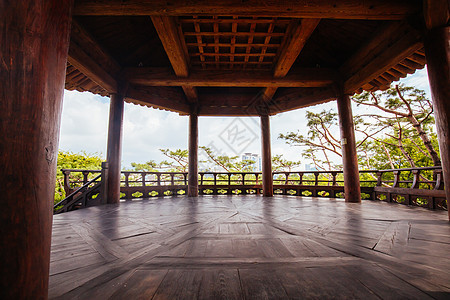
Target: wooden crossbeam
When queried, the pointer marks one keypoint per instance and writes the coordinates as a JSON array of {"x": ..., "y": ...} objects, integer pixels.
[
  {"x": 298, "y": 34},
  {"x": 235, "y": 20},
  {"x": 175, "y": 48},
  {"x": 394, "y": 48},
  {"x": 308, "y": 77},
  {"x": 167, "y": 98},
  {"x": 231, "y": 45},
  {"x": 91, "y": 59},
  {"x": 298, "y": 98},
  {"x": 343, "y": 9},
  {"x": 243, "y": 104}
]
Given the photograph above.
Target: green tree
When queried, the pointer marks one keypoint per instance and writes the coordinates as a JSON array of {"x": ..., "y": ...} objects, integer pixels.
[
  {"x": 408, "y": 115},
  {"x": 70, "y": 160}
]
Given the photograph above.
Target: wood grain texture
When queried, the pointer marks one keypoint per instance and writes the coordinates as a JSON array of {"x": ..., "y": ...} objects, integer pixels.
[
  {"x": 114, "y": 148},
  {"x": 267, "y": 179},
  {"x": 349, "y": 158},
  {"x": 438, "y": 56},
  {"x": 193, "y": 156},
  {"x": 344, "y": 9},
  {"x": 176, "y": 50},
  {"x": 307, "y": 77},
  {"x": 34, "y": 41},
  {"x": 251, "y": 247}
]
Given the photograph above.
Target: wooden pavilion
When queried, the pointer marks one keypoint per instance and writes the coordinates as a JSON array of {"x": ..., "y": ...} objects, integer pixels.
[{"x": 196, "y": 58}]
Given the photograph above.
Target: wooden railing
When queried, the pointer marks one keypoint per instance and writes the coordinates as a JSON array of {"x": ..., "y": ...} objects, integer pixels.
[
  {"x": 415, "y": 186},
  {"x": 89, "y": 194}
]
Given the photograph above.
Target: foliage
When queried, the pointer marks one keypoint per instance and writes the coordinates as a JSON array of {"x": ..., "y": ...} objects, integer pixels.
[
  {"x": 229, "y": 163},
  {"x": 405, "y": 116},
  {"x": 398, "y": 133},
  {"x": 70, "y": 160},
  {"x": 179, "y": 160},
  {"x": 281, "y": 164}
]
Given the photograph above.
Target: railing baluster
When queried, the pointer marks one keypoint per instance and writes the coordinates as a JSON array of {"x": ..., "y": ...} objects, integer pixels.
[
  {"x": 127, "y": 175},
  {"x": 416, "y": 179},
  {"x": 85, "y": 177},
  {"x": 328, "y": 183}
]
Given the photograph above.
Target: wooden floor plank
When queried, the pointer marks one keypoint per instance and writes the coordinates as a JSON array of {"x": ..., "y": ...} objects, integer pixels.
[
  {"x": 250, "y": 247},
  {"x": 142, "y": 284}
]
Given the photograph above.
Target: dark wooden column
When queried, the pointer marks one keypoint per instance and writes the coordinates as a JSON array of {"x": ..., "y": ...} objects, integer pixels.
[
  {"x": 114, "y": 151},
  {"x": 352, "y": 189},
  {"x": 267, "y": 180},
  {"x": 34, "y": 40},
  {"x": 437, "y": 50},
  {"x": 193, "y": 156}
]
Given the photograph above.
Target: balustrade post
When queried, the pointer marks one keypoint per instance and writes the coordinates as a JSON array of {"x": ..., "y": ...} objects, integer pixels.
[
  {"x": 104, "y": 177},
  {"x": 67, "y": 187},
  {"x": 143, "y": 179},
  {"x": 215, "y": 179},
  {"x": 379, "y": 178},
  {"x": 396, "y": 178},
  {"x": 85, "y": 177},
  {"x": 127, "y": 175},
  {"x": 172, "y": 179},
  {"x": 352, "y": 187},
  {"x": 416, "y": 179},
  {"x": 437, "y": 176},
  {"x": 33, "y": 49}
]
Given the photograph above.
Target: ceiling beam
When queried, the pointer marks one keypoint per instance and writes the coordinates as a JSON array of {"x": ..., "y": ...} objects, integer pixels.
[
  {"x": 308, "y": 77},
  {"x": 294, "y": 42},
  {"x": 299, "y": 98},
  {"x": 91, "y": 59},
  {"x": 167, "y": 98},
  {"x": 394, "y": 48},
  {"x": 298, "y": 34},
  {"x": 175, "y": 47},
  {"x": 342, "y": 9}
]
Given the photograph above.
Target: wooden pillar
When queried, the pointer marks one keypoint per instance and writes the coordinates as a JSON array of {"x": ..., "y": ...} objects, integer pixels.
[
  {"x": 34, "y": 41},
  {"x": 193, "y": 156},
  {"x": 114, "y": 151},
  {"x": 267, "y": 180},
  {"x": 437, "y": 49},
  {"x": 352, "y": 189}
]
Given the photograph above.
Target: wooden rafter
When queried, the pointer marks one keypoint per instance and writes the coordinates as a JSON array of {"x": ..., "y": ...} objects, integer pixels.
[
  {"x": 343, "y": 9},
  {"x": 298, "y": 35},
  {"x": 168, "y": 98},
  {"x": 91, "y": 59},
  {"x": 298, "y": 98},
  {"x": 387, "y": 49},
  {"x": 214, "y": 43},
  {"x": 308, "y": 77},
  {"x": 173, "y": 44}
]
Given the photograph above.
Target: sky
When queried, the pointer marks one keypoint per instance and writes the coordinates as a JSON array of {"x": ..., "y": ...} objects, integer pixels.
[{"x": 84, "y": 127}]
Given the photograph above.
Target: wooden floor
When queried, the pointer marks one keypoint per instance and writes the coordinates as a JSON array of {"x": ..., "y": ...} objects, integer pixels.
[{"x": 250, "y": 247}]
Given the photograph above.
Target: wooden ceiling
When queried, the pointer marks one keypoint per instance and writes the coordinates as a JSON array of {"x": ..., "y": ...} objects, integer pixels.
[{"x": 241, "y": 57}]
